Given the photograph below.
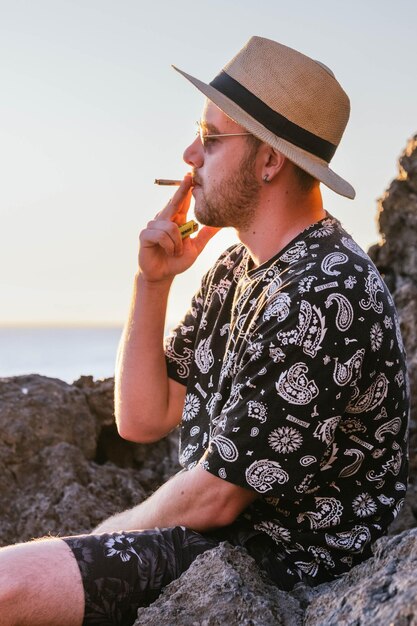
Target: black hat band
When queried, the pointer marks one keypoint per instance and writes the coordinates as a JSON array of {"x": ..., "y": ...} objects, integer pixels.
[{"x": 270, "y": 119}]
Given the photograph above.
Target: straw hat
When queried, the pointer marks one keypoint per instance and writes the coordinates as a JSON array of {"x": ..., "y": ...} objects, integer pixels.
[{"x": 287, "y": 100}]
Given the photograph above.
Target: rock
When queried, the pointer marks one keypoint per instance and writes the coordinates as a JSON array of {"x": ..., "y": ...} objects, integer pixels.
[
  {"x": 63, "y": 467},
  {"x": 99, "y": 396},
  {"x": 35, "y": 414},
  {"x": 396, "y": 254},
  {"x": 63, "y": 493},
  {"x": 396, "y": 258},
  {"x": 382, "y": 590},
  {"x": 223, "y": 586}
]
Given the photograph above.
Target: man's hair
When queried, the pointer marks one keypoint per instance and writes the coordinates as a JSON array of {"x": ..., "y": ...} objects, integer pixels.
[
  {"x": 306, "y": 182},
  {"x": 254, "y": 143}
]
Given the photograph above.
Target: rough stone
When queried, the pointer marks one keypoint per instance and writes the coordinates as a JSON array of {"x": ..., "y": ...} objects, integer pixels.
[
  {"x": 34, "y": 415},
  {"x": 382, "y": 590},
  {"x": 63, "y": 467},
  {"x": 396, "y": 258},
  {"x": 222, "y": 586},
  {"x": 396, "y": 253}
]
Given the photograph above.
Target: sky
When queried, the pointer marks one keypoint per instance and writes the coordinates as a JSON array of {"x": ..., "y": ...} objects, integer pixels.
[{"x": 91, "y": 112}]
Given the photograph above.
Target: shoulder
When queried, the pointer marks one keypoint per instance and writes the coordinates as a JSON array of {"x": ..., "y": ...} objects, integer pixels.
[{"x": 328, "y": 259}]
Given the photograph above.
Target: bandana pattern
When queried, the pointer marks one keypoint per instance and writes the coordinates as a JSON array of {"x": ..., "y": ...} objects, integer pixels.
[{"x": 297, "y": 389}]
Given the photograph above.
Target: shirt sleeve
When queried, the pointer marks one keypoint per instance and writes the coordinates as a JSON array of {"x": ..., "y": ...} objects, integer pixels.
[
  {"x": 179, "y": 345},
  {"x": 288, "y": 393}
]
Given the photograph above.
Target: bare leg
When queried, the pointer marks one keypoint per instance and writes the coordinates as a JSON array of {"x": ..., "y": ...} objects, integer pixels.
[{"x": 40, "y": 585}]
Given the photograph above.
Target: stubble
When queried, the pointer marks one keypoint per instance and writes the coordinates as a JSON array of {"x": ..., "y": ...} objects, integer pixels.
[{"x": 234, "y": 200}]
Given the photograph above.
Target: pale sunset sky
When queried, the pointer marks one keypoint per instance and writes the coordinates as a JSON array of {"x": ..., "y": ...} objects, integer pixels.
[{"x": 91, "y": 112}]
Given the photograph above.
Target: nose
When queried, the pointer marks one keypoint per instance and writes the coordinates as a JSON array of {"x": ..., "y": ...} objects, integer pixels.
[{"x": 193, "y": 154}]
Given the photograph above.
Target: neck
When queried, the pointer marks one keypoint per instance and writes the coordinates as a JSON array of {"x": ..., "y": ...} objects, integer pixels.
[{"x": 281, "y": 215}]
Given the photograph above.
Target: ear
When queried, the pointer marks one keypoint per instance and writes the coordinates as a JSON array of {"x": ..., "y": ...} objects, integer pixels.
[{"x": 272, "y": 163}]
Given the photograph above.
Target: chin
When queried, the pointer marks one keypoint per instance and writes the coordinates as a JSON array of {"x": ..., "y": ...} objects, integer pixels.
[
  {"x": 207, "y": 214},
  {"x": 205, "y": 220}
]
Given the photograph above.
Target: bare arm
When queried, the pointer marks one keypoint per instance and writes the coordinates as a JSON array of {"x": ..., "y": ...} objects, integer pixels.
[
  {"x": 147, "y": 403},
  {"x": 195, "y": 499}
]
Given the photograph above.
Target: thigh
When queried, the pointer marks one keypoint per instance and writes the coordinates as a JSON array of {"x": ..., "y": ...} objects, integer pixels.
[
  {"x": 125, "y": 570},
  {"x": 40, "y": 585}
]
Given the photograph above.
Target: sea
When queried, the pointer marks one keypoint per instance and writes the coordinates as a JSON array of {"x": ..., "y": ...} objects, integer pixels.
[{"x": 59, "y": 352}]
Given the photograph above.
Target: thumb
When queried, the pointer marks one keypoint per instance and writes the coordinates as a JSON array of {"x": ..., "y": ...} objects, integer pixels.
[{"x": 203, "y": 237}]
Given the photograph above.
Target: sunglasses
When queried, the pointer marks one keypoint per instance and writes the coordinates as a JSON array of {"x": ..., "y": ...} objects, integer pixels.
[{"x": 205, "y": 138}]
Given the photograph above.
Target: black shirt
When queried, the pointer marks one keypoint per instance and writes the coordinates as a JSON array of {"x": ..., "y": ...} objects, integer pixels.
[{"x": 297, "y": 388}]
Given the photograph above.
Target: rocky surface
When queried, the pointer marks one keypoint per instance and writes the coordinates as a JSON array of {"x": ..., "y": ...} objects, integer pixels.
[
  {"x": 380, "y": 591},
  {"x": 63, "y": 468},
  {"x": 222, "y": 587},
  {"x": 396, "y": 254},
  {"x": 396, "y": 258}
]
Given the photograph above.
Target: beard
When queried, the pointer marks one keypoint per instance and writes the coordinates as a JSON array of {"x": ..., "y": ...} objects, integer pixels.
[{"x": 232, "y": 202}]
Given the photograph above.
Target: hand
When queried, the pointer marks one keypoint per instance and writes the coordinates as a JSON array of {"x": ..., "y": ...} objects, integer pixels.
[{"x": 162, "y": 252}]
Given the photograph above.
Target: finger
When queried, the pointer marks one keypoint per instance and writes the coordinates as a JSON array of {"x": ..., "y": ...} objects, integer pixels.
[
  {"x": 172, "y": 230},
  {"x": 156, "y": 237},
  {"x": 183, "y": 208},
  {"x": 204, "y": 235},
  {"x": 181, "y": 198}
]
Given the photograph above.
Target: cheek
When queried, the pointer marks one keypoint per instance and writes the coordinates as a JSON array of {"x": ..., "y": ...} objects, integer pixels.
[
  {"x": 219, "y": 165},
  {"x": 214, "y": 172}
]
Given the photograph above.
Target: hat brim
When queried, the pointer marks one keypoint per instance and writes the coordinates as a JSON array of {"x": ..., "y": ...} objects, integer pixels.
[{"x": 308, "y": 162}]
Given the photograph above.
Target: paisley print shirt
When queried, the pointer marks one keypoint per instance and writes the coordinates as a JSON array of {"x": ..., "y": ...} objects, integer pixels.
[{"x": 297, "y": 388}]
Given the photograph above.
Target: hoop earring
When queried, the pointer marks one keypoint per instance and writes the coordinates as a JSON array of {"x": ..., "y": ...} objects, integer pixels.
[{"x": 266, "y": 179}]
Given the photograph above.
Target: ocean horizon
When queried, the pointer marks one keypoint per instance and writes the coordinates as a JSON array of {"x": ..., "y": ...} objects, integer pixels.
[{"x": 64, "y": 352}]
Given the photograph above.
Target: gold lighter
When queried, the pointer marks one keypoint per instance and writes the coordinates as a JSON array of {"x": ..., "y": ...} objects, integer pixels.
[{"x": 188, "y": 228}]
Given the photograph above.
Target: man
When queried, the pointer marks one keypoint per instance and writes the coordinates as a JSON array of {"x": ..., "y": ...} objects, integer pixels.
[{"x": 287, "y": 374}]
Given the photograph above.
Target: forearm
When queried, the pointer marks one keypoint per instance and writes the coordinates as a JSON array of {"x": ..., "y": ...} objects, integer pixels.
[
  {"x": 195, "y": 499},
  {"x": 141, "y": 382},
  {"x": 180, "y": 502},
  {"x": 171, "y": 505}
]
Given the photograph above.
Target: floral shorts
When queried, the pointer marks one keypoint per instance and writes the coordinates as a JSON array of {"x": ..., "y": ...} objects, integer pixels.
[{"x": 125, "y": 570}]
